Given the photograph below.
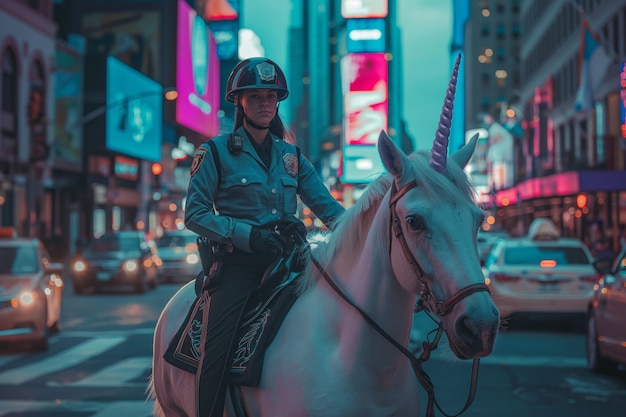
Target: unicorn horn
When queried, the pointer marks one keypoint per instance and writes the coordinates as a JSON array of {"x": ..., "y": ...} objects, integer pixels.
[{"x": 439, "y": 151}]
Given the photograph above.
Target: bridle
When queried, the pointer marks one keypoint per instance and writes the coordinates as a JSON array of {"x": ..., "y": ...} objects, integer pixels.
[
  {"x": 426, "y": 297},
  {"x": 425, "y": 300}
]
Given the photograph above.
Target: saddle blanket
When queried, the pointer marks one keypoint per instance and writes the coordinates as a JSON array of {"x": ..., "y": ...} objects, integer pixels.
[{"x": 261, "y": 320}]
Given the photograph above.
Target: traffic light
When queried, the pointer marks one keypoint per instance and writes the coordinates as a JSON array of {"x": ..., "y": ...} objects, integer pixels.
[{"x": 157, "y": 170}]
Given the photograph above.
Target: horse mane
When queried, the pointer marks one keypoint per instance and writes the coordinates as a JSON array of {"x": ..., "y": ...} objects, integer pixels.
[{"x": 353, "y": 226}]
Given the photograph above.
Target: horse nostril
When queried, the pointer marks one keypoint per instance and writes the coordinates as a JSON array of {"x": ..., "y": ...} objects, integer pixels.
[{"x": 464, "y": 327}]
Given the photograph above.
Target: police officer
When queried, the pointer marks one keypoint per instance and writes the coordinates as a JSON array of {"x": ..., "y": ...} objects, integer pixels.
[{"x": 239, "y": 193}]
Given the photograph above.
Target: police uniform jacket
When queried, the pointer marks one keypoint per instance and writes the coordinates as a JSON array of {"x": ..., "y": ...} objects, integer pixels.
[{"x": 245, "y": 193}]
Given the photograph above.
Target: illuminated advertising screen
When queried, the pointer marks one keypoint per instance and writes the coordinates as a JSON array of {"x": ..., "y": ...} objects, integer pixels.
[
  {"x": 226, "y": 37},
  {"x": 133, "y": 37},
  {"x": 365, "y": 35},
  {"x": 363, "y": 8},
  {"x": 215, "y": 10},
  {"x": 366, "y": 98},
  {"x": 197, "y": 74},
  {"x": 622, "y": 95},
  {"x": 68, "y": 84},
  {"x": 361, "y": 164},
  {"x": 134, "y": 117}
]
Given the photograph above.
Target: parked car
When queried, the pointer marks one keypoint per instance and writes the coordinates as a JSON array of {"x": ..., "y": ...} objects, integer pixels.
[
  {"x": 606, "y": 317},
  {"x": 31, "y": 291},
  {"x": 124, "y": 258},
  {"x": 540, "y": 273},
  {"x": 486, "y": 242},
  {"x": 178, "y": 251}
]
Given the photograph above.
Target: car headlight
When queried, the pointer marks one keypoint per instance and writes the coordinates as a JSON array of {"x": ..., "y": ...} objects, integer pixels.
[
  {"x": 131, "y": 266},
  {"x": 192, "y": 259},
  {"x": 79, "y": 266},
  {"x": 24, "y": 299}
]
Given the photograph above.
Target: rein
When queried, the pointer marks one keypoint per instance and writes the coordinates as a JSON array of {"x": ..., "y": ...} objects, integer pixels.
[{"x": 442, "y": 308}]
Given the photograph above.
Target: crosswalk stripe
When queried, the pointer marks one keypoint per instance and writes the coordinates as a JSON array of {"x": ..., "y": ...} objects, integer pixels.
[
  {"x": 115, "y": 375},
  {"x": 65, "y": 359},
  {"x": 101, "y": 409}
]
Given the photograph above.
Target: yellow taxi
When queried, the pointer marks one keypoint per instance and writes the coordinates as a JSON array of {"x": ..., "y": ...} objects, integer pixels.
[{"x": 31, "y": 291}]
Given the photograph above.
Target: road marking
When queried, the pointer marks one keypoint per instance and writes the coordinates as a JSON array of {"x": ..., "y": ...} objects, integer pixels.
[
  {"x": 116, "y": 375},
  {"x": 101, "y": 409},
  {"x": 547, "y": 361},
  {"x": 84, "y": 333},
  {"x": 65, "y": 359},
  {"x": 9, "y": 358}
]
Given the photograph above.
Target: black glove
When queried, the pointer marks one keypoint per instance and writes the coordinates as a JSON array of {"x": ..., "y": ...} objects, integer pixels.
[
  {"x": 265, "y": 243},
  {"x": 291, "y": 227}
]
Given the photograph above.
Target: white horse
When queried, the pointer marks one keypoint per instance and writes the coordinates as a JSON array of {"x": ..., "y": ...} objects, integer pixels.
[{"x": 412, "y": 233}]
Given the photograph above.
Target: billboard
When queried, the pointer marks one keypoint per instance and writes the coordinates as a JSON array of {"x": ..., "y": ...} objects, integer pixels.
[
  {"x": 622, "y": 96},
  {"x": 361, "y": 164},
  {"x": 365, "y": 81},
  {"x": 365, "y": 35},
  {"x": 197, "y": 74},
  {"x": 68, "y": 87},
  {"x": 134, "y": 117},
  {"x": 363, "y": 8},
  {"x": 133, "y": 37},
  {"x": 216, "y": 10}
]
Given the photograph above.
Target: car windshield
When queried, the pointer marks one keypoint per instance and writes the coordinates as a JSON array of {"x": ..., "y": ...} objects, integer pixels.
[
  {"x": 113, "y": 243},
  {"x": 18, "y": 260},
  {"x": 173, "y": 241},
  {"x": 533, "y": 255}
]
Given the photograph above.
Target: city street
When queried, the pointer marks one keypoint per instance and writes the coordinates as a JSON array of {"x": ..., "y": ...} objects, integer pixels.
[{"x": 98, "y": 365}]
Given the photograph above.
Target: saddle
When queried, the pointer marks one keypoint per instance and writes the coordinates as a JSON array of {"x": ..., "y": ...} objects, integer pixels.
[{"x": 263, "y": 314}]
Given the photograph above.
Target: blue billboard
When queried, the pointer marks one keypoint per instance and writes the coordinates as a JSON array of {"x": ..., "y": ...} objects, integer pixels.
[
  {"x": 365, "y": 35},
  {"x": 134, "y": 117}
]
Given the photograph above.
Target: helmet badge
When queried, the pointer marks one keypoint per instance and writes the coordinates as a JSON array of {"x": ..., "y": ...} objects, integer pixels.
[{"x": 266, "y": 71}]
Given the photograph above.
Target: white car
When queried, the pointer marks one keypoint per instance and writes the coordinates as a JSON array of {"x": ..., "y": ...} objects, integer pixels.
[
  {"x": 540, "y": 273},
  {"x": 31, "y": 292}
]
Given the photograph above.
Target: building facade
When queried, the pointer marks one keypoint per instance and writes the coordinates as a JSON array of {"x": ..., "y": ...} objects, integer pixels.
[{"x": 568, "y": 162}]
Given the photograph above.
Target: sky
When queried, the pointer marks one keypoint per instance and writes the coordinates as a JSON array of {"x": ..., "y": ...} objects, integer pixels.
[{"x": 426, "y": 32}]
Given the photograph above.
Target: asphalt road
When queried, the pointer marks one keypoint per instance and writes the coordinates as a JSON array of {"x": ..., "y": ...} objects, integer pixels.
[{"x": 98, "y": 366}]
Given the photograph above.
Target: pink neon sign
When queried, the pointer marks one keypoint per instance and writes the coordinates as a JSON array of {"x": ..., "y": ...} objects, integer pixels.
[
  {"x": 366, "y": 101},
  {"x": 197, "y": 74}
]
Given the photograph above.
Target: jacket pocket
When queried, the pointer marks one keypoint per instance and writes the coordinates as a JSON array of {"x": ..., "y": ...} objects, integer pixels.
[
  {"x": 241, "y": 194},
  {"x": 290, "y": 193}
]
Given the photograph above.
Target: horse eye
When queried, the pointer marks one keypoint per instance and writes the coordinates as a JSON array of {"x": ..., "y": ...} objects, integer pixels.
[{"x": 415, "y": 223}]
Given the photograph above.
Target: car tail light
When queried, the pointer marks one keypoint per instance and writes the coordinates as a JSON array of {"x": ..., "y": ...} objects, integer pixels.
[
  {"x": 505, "y": 278},
  {"x": 591, "y": 278}
]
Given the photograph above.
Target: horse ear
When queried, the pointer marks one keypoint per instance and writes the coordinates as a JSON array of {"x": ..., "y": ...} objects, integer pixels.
[
  {"x": 463, "y": 155},
  {"x": 393, "y": 158}
]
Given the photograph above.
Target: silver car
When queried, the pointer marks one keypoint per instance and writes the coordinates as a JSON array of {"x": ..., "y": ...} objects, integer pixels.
[{"x": 178, "y": 251}]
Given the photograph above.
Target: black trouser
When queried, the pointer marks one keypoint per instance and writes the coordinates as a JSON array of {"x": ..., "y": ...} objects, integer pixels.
[{"x": 241, "y": 274}]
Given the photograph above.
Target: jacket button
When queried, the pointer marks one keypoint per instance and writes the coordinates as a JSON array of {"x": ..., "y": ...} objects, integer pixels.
[
  {"x": 274, "y": 211},
  {"x": 244, "y": 180},
  {"x": 274, "y": 191}
]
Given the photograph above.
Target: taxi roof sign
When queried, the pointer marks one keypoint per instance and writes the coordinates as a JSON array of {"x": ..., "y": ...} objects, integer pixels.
[
  {"x": 7, "y": 232},
  {"x": 543, "y": 229}
]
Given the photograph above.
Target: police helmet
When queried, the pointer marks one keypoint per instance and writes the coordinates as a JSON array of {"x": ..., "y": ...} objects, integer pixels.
[{"x": 255, "y": 73}]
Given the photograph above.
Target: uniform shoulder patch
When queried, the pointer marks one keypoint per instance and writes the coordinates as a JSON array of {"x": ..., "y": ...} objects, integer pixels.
[
  {"x": 291, "y": 164},
  {"x": 198, "y": 158}
]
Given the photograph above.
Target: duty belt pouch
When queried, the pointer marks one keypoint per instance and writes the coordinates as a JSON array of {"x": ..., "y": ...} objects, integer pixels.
[{"x": 211, "y": 255}]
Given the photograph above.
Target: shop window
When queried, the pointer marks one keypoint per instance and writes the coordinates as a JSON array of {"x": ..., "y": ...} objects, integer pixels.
[
  {"x": 500, "y": 30},
  {"x": 485, "y": 31},
  {"x": 9, "y": 93}
]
